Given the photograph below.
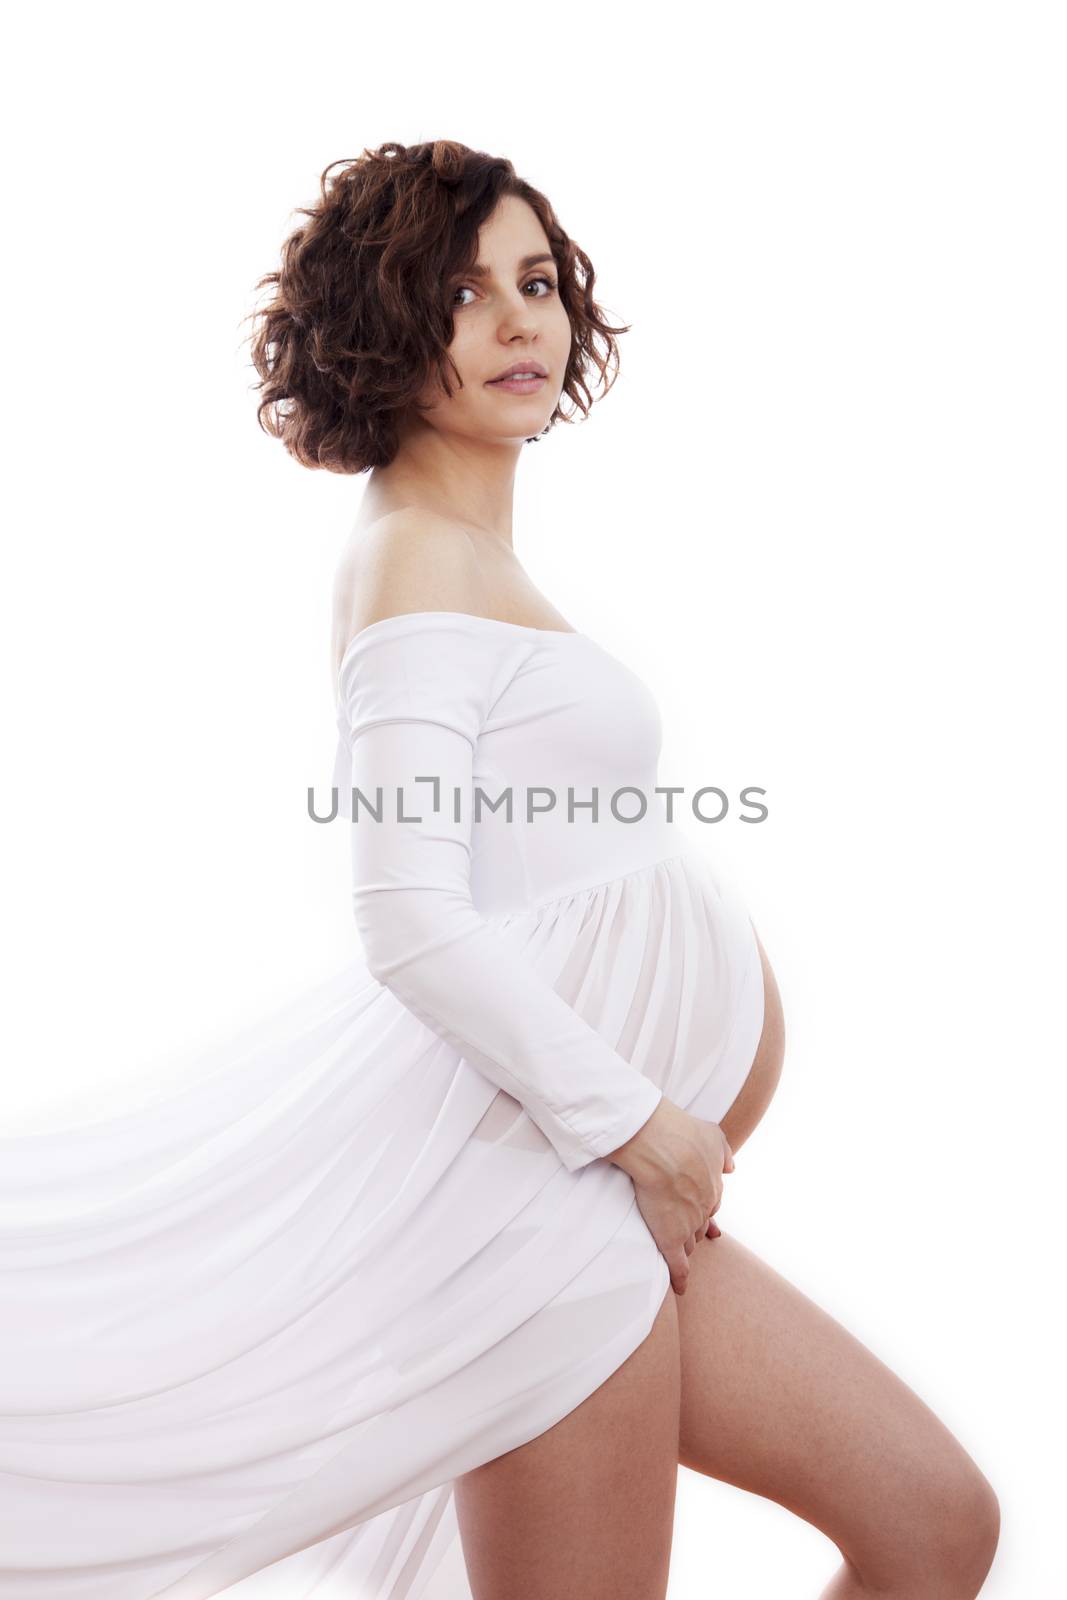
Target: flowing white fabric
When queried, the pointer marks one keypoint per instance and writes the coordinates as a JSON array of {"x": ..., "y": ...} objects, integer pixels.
[{"x": 253, "y": 1330}]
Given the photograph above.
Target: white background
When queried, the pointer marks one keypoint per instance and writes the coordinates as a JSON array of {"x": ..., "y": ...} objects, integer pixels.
[{"x": 821, "y": 512}]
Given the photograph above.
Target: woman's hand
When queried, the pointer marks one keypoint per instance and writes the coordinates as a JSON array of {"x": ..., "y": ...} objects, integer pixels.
[{"x": 677, "y": 1163}]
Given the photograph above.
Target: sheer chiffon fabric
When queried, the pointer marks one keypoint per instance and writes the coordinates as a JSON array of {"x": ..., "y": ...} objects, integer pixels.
[{"x": 253, "y": 1330}]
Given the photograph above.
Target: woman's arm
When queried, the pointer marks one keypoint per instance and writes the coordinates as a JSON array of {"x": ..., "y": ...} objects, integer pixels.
[{"x": 416, "y": 697}]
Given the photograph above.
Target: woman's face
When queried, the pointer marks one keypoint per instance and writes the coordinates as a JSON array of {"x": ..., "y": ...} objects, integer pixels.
[{"x": 508, "y": 313}]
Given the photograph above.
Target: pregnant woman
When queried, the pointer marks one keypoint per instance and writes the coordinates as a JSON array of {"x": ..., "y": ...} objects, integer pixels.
[{"x": 418, "y": 1294}]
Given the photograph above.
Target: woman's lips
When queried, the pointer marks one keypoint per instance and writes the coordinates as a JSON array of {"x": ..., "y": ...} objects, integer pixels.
[{"x": 517, "y": 385}]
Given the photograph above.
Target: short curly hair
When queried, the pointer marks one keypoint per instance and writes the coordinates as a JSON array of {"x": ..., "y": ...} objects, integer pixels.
[{"x": 358, "y": 321}]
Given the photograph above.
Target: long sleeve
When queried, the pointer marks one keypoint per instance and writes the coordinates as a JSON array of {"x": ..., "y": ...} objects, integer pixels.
[{"x": 416, "y": 699}]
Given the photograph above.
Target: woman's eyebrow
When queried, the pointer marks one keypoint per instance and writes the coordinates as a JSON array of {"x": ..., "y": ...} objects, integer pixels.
[{"x": 481, "y": 271}]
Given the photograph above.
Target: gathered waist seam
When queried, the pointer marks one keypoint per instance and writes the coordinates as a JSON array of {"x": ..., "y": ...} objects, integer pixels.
[{"x": 588, "y": 888}]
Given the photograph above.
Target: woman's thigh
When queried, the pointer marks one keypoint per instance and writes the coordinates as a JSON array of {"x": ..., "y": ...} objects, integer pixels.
[
  {"x": 780, "y": 1399},
  {"x": 586, "y": 1508}
]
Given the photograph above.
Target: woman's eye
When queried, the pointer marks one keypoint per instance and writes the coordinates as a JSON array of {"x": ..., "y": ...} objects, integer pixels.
[{"x": 549, "y": 283}]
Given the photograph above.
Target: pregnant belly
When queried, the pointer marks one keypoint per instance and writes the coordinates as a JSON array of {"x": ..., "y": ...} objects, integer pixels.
[{"x": 756, "y": 1092}]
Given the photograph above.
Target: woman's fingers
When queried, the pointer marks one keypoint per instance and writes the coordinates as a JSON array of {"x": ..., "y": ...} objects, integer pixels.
[{"x": 679, "y": 1270}]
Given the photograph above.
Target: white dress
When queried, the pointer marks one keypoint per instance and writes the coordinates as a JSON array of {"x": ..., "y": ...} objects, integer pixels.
[{"x": 251, "y": 1332}]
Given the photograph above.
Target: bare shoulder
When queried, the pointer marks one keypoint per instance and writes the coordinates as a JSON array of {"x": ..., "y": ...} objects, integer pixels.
[{"x": 408, "y": 560}]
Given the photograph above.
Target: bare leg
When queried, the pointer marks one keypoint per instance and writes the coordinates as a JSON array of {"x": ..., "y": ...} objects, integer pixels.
[
  {"x": 780, "y": 1399},
  {"x": 587, "y": 1508}
]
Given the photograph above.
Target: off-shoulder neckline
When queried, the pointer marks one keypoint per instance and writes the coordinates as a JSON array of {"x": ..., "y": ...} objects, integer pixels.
[{"x": 456, "y": 616}]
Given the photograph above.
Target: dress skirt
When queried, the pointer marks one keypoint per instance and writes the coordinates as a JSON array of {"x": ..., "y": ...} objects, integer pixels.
[{"x": 255, "y": 1327}]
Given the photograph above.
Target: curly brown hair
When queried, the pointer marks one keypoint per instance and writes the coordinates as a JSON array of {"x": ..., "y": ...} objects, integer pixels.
[{"x": 358, "y": 322}]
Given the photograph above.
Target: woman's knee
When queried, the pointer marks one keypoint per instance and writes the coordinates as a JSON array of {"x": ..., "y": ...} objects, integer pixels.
[
  {"x": 961, "y": 1531},
  {"x": 946, "y": 1534}
]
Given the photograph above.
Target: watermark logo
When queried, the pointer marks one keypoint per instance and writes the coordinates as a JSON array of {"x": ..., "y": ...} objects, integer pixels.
[{"x": 708, "y": 804}]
